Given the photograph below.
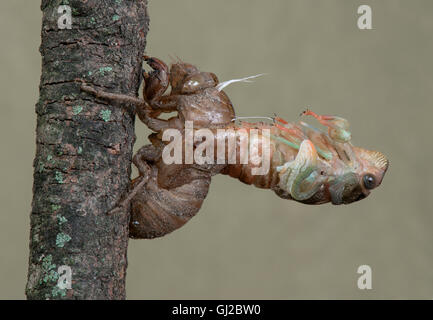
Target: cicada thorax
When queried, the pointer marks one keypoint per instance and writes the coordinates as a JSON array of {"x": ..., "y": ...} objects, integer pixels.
[{"x": 207, "y": 108}]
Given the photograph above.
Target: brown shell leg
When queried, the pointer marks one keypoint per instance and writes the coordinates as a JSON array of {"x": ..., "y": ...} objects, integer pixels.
[
  {"x": 113, "y": 97},
  {"x": 157, "y": 81},
  {"x": 141, "y": 160}
]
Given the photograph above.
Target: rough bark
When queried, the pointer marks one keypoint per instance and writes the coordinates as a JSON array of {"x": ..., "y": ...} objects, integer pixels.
[{"x": 84, "y": 148}]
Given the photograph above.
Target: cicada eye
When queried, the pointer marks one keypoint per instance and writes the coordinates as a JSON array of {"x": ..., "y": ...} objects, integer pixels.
[{"x": 369, "y": 181}]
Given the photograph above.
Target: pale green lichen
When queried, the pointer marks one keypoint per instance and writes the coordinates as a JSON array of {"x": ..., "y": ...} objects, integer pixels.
[
  {"x": 40, "y": 166},
  {"x": 61, "y": 239},
  {"x": 48, "y": 270},
  {"x": 105, "y": 115},
  {"x": 68, "y": 260},
  {"x": 52, "y": 275},
  {"x": 61, "y": 219},
  {"x": 102, "y": 70},
  {"x": 56, "y": 291},
  {"x": 59, "y": 177},
  {"x": 36, "y": 234},
  {"x": 116, "y": 17},
  {"x": 80, "y": 150},
  {"x": 55, "y": 207},
  {"x": 75, "y": 12},
  {"x": 47, "y": 262},
  {"x": 76, "y": 110}
]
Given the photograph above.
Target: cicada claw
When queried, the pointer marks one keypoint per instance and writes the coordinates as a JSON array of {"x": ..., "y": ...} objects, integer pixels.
[{"x": 337, "y": 126}]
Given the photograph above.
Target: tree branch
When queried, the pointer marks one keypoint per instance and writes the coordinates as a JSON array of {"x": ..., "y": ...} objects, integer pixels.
[{"x": 84, "y": 148}]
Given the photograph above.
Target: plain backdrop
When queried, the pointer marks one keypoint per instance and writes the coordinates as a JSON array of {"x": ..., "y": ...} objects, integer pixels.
[{"x": 247, "y": 243}]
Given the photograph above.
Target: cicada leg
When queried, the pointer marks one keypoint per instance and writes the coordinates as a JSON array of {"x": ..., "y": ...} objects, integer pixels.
[
  {"x": 157, "y": 81},
  {"x": 338, "y": 127},
  {"x": 142, "y": 160},
  {"x": 301, "y": 177},
  {"x": 140, "y": 106},
  {"x": 113, "y": 97}
]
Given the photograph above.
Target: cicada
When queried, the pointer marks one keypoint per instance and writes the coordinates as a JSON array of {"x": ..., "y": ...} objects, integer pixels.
[{"x": 306, "y": 164}]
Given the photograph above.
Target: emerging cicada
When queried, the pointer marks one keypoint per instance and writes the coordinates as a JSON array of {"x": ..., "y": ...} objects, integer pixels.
[{"x": 305, "y": 164}]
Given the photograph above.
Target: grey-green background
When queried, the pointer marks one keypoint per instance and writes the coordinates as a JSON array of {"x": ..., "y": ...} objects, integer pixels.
[{"x": 246, "y": 242}]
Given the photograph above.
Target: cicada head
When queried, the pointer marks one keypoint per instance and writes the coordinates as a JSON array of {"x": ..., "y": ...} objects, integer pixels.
[{"x": 364, "y": 174}]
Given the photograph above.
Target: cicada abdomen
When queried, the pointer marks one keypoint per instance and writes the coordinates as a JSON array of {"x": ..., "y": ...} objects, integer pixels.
[
  {"x": 253, "y": 152},
  {"x": 157, "y": 211}
]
